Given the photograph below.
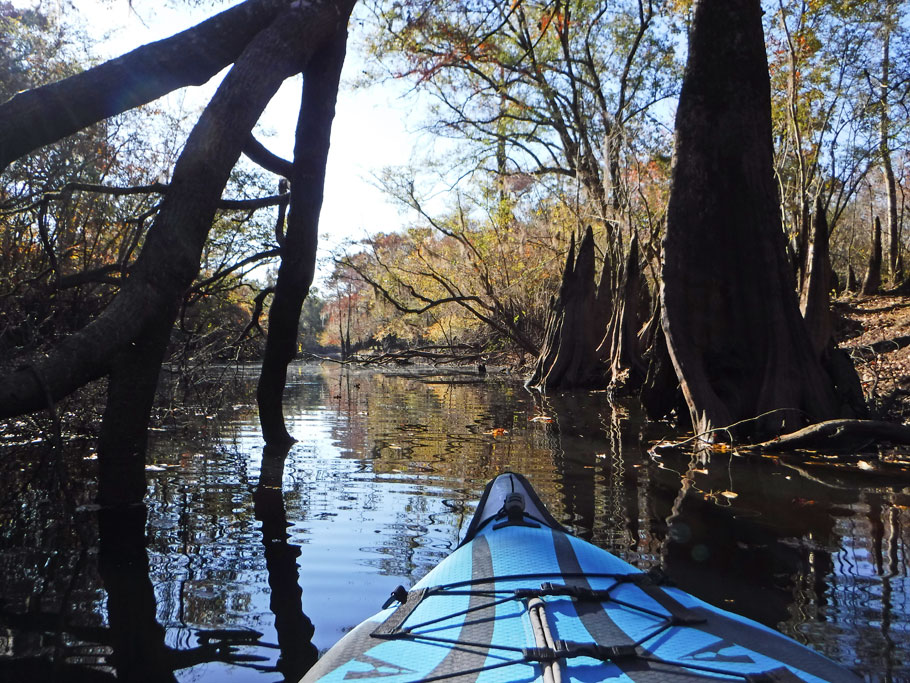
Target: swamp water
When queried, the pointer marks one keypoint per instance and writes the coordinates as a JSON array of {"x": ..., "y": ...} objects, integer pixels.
[{"x": 246, "y": 564}]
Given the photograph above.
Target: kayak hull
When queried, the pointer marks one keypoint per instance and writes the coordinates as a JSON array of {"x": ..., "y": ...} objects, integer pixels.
[{"x": 523, "y": 600}]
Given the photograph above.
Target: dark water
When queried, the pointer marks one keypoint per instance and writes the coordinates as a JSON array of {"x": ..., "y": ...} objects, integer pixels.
[{"x": 249, "y": 556}]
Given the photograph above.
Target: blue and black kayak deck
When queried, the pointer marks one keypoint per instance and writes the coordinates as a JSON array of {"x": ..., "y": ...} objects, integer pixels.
[{"x": 523, "y": 600}]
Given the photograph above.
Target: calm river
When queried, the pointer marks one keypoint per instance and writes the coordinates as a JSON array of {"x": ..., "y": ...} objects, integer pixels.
[{"x": 244, "y": 558}]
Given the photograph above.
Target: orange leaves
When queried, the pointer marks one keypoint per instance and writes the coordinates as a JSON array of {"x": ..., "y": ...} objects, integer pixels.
[{"x": 556, "y": 18}]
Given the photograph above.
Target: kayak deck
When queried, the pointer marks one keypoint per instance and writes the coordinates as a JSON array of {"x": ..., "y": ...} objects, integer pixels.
[{"x": 522, "y": 600}]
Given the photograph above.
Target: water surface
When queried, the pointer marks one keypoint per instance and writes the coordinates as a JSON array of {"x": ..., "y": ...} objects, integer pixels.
[{"x": 243, "y": 557}]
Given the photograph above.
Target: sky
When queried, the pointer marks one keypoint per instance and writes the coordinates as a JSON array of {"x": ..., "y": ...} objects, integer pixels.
[{"x": 369, "y": 131}]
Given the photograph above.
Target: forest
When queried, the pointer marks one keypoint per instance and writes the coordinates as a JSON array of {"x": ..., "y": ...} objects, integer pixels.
[{"x": 622, "y": 213}]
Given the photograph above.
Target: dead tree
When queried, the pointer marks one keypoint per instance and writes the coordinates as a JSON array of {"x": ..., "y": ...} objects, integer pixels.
[{"x": 730, "y": 314}]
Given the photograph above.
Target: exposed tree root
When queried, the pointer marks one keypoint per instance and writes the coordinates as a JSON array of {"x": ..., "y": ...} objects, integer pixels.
[
  {"x": 838, "y": 435},
  {"x": 872, "y": 350},
  {"x": 847, "y": 437}
]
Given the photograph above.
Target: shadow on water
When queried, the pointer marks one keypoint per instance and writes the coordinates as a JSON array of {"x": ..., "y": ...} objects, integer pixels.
[{"x": 241, "y": 550}]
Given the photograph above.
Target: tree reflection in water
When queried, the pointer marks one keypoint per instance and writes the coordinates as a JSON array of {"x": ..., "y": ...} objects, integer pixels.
[
  {"x": 295, "y": 630},
  {"x": 205, "y": 583}
]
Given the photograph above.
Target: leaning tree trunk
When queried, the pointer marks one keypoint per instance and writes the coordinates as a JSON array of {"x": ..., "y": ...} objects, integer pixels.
[
  {"x": 128, "y": 339},
  {"x": 872, "y": 283},
  {"x": 298, "y": 254},
  {"x": 568, "y": 358},
  {"x": 43, "y": 115},
  {"x": 730, "y": 313}
]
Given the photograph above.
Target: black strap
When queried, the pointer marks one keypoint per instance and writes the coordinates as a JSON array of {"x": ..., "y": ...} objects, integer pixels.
[{"x": 567, "y": 649}]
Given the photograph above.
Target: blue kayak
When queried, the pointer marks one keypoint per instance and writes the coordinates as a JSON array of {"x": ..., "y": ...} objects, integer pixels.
[{"x": 521, "y": 599}]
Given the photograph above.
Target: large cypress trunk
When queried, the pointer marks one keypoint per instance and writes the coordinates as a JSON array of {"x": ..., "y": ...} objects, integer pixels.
[{"x": 729, "y": 310}]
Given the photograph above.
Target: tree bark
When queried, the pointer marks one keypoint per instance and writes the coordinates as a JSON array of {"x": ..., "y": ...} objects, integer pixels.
[
  {"x": 872, "y": 283},
  {"x": 170, "y": 257},
  {"x": 132, "y": 383},
  {"x": 660, "y": 392},
  {"x": 815, "y": 296},
  {"x": 298, "y": 254},
  {"x": 851, "y": 285},
  {"x": 569, "y": 358},
  {"x": 43, "y": 115},
  {"x": 729, "y": 310},
  {"x": 894, "y": 246},
  {"x": 620, "y": 347}
]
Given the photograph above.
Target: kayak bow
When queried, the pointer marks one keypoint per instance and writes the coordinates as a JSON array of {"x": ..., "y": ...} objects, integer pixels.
[{"x": 521, "y": 599}]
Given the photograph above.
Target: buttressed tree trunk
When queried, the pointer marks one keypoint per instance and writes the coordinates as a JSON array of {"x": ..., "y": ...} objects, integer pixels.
[
  {"x": 872, "y": 283},
  {"x": 298, "y": 254},
  {"x": 815, "y": 296},
  {"x": 568, "y": 358},
  {"x": 851, "y": 285},
  {"x": 620, "y": 348},
  {"x": 729, "y": 310}
]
